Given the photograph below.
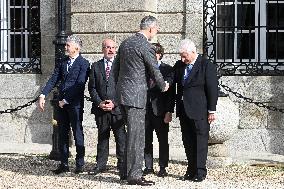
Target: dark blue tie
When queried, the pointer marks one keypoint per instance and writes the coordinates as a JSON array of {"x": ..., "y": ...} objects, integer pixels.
[
  {"x": 188, "y": 70},
  {"x": 69, "y": 65}
]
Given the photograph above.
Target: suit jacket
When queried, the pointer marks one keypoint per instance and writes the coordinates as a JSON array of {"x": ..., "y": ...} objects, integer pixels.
[
  {"x": 101, "y": 89},
  {"x": 71, "y": 84},
  {"x": 162, "y": 102},
  {"x": 200, "y": 91},
  {"x": 137, "y": 63}
]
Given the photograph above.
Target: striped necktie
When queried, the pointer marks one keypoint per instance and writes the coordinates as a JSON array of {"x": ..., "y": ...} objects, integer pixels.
[{"x": 107, "y": 69}]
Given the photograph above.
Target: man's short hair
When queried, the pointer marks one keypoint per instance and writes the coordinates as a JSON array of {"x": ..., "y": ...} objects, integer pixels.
[
  {"x": 186, "y": 45},
  {"x": 148, "y": 22},
  {"x": 159, "y": 49},
  {"x": 75, "y": 39}
]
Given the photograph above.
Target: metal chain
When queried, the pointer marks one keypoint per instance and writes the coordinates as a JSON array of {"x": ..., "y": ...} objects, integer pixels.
[
  {"x": 19, "y": 107},
  {"x": 228, "y": 89},
  {"x": 249, "y": 100}
]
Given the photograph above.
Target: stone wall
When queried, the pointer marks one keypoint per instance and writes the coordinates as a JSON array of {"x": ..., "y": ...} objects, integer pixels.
[{"x": 93, "y": 20}]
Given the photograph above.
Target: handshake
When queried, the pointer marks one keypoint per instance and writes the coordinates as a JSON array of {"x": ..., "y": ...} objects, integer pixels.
[{"x": 166, "y": 87}]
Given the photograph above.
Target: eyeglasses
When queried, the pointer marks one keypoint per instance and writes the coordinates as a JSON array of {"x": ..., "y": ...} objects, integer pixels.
[{"x": 108, "y": 47}]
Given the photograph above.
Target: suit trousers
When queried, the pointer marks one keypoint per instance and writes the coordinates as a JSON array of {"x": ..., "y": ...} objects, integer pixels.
[
  {"x": 195, "y": 134},
  {"x": 135, "y": 142},
  {"x": 105, "y": 123},
  {"x": 71, "y": 115},
  {"x": 161, "y": 128}
]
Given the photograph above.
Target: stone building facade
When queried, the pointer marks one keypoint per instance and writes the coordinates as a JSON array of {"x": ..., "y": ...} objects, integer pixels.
[{"x": 257, "y": 129}]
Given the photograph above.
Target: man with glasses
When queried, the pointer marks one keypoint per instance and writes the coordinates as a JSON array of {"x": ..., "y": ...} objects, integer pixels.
[{"x": 107, "y": 112}]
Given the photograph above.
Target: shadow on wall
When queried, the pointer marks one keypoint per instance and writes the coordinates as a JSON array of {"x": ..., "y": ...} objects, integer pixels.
[
  {"x": 38, "y": 125},
  {"x": 275, "y": 119}
]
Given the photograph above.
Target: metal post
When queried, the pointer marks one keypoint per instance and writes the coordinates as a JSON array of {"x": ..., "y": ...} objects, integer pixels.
[{"x": 59, "y": 43}]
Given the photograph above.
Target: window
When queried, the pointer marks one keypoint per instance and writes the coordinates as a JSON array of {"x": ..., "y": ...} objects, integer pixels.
[
  {"x": 247, "y": 36},
  {"x": 20, "y": 36}
]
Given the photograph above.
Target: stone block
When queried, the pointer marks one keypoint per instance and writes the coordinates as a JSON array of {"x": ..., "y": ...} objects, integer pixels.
[
  {"x": 252, "y": 116},
  {"x": 92, "y": 44},
  {"x": 19, "y": 85},
  {"x": 12, "y": 132},
  {"x": 194, "y": 6},
  {"x": 257, "y": 140},
  {"x": 275, "y": 119},
  {"x": 38, "y": 133},
  {"x": 218, "y": 162},
  {"x": 170, "y": 42},
  {"x": 171, "y": 23},
  {"x": 173, "y": 6},
  {"x": 47, "y": 65},
  {"x": 171, "y": 59},
  {"x": 258, "y": 88},
  {"x": 194, "y": 29},
  {"x": 217, "y": 150},
  {"x": 47, "y": 46},
  {"x": 106, "y": 22},
  {"x": 227, "y": 121},
  {"x": 113, "y": 6},
  {"x": 48, "y": 22}
]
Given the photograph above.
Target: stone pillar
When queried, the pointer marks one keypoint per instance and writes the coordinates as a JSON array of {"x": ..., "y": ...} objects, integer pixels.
[
  {"x": 220, "y": 131},
  {"x": 194, "y": 23}
]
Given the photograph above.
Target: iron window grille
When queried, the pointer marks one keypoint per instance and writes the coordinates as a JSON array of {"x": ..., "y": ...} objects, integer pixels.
[
  {"x": 20, "y": 36},
  {"x": 245, "y": 37}
]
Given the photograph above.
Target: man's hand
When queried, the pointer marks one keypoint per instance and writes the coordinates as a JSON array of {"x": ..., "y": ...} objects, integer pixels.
[
  {"x": 166, "y": 87},
  {"x": 41, "y": 102},
  {"x": 211, "y": 117},
  {"x": 168, "y": 117},
  {"x": 106, "y": 105},
  {"x": 61, "y": 103}
]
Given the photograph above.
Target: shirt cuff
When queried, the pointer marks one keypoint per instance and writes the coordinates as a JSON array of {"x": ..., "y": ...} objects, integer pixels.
[
  {"x": 211, "y": 112},
  {"x": 42, "y": 96},
  {"x": 65, "y": 101}
]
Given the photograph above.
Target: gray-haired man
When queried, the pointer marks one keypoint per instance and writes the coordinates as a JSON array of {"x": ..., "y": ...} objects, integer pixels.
[
  {"x": 137, "y": 63},
  {"x": 71, "y": 73}
]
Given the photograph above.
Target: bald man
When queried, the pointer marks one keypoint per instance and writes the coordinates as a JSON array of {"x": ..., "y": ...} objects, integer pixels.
[{"x": 107, "y": 112}]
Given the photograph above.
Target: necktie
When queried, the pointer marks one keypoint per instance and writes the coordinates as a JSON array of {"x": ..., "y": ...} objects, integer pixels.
[
  {"x": 188, "y": 70},
  {"x": 69, "y": 65},
  {"x": 107, "y": 69}
]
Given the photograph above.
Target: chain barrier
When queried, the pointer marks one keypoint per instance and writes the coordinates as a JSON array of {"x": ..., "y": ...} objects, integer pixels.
[
  {"x": 228, "y": 89},
  {"x": 11, "y": 110},
  {"x": 249, "y": 100}
]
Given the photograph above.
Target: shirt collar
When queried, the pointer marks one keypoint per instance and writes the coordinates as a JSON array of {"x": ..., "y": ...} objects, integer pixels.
[
  {"x": 73, "y": 58},
  {"x": 193, "y": 62},
  {"x": 110, "y": 60},
  {"x": 144, "y": 35}
]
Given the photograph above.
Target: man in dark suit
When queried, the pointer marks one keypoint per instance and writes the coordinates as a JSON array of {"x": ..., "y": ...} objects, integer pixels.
[
  {"x": 159, "y": 108},
  {"x": 106, "y": 110},
  {"x": 137, "y": 63},
  {"x": 71, "y": 74},
  {"x": 196, "y": 100}
]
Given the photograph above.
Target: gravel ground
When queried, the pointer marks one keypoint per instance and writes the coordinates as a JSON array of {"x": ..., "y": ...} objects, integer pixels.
[{"x": 34, "y": 171}]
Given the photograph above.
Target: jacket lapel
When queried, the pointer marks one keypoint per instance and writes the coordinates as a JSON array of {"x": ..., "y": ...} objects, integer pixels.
[
  {"x": 102, "y": 68},
  {"x": 195, "y": 68}
]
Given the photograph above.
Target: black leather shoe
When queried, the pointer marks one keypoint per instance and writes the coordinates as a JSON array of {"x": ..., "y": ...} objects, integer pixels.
[
  {"x": 162, "y": 173},
  {"x": 198, "y": 178},
  {"x": 96, "y": 171},
  {"x": 61, "y": 169},
  {"x": 79, "y": 170},
  {"x": 147, "y": 171},
  {"x": 140, "y": 182},
  {"x": 187, "y": 177}
]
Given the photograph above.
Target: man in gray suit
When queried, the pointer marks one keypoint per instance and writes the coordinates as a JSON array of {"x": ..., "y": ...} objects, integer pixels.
[{"x": 137, "y": 63}]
